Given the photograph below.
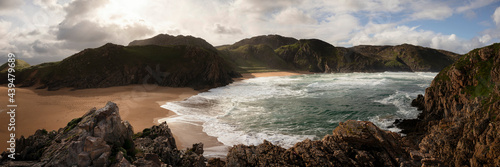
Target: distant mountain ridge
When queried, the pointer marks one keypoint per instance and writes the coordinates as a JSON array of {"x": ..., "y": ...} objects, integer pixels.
[
  {"x": 319, "y": 56},
  {"x": 169, "y": 40}
]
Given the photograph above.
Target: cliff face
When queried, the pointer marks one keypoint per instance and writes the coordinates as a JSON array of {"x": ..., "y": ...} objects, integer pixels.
[
  {"x": 414, "y": 58},
  {"x": 318, "y": 56},
  {"x": 460, "y": 122},
  {"x": 115, "y": 65}
]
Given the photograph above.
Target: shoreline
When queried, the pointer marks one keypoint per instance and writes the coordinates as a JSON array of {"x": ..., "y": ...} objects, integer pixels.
[
  {"x": 138, "y": 104},
  {"x": 212, "y": 147}
]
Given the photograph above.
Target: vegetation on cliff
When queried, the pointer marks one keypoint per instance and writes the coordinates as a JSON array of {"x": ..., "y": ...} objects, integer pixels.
[
  {"x": 115, "y": 65},
  {"x": 460, "y": 123},
  {"x": 20, "y": 65},
  {"x": 251, "y": 55}
]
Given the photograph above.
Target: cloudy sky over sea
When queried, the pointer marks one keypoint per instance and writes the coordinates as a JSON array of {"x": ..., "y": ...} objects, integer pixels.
[{"x": 50, "y": 30}]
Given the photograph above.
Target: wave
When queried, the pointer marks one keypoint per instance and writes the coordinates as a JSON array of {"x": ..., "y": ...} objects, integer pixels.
[{"x": 286, "y": 110}]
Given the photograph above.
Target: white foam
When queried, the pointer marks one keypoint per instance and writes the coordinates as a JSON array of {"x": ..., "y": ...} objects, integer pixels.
[{"x": 212, "y": 109}]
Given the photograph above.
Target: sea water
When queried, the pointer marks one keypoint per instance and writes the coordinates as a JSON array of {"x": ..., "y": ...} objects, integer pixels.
[{"x": 288, "y": 109}]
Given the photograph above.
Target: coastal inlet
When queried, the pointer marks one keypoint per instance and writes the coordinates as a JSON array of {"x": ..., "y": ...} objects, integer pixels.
[{"x": 288, "y": 109}]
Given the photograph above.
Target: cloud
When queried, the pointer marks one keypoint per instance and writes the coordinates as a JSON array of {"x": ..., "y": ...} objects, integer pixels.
[
  {"x": 10, "y": 4},
  {"x": 431, "y": 10},
  {"x": 79, "y": 8},
  {"x": 84, "y": 31},
  {"x": 347, "y": 6},
  {"x": 496, "y": 16},
  {"x": 385, "y": 35},
  {"x": 474, "y": 4},
  {"x": 51, "y": 5},
  {"x": 53, "y": 29},
  {"x": 294, "y": 16},
  {"x": 220, "y": 29}
]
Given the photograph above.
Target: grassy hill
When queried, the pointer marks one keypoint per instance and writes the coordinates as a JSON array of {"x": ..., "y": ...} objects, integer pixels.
[
  {"x": 20, "y": 65},
  {"x": 115, "y": 65},
  {"x": 252, "y": 55}
]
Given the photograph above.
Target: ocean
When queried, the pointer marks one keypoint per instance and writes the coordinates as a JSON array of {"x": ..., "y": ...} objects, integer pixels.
[{"x": 287, "y": 109}]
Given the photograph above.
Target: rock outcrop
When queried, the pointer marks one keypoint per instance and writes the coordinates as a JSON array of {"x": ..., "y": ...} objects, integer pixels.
[
  {"x": 101, "y": 138},
  {"x": 460, "y": 124},
  {"x": 116, "y": 65},
  {"x": 353, "y": 143}
]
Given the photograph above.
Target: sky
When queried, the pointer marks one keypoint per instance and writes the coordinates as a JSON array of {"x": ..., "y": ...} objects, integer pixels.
[{"x": 50, "y": 30}]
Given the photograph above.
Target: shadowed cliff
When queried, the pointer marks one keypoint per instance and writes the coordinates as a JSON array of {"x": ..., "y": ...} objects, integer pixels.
[
  {"x": 116, "y": 65},
  {"x": 460, "y": 120}
]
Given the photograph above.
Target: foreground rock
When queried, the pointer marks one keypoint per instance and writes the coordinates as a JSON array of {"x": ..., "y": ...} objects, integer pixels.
[
  {"x": 460, "y": 120},
  {"x": 101, "y": 138},
  {"x": 353, "y": 143}
]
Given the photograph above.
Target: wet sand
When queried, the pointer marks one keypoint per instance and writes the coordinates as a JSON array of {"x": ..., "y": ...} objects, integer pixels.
[{"x": 138, "y": 104}]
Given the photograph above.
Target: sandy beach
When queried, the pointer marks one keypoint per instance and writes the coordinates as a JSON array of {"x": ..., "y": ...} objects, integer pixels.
[{"x": 138, "y": 104}]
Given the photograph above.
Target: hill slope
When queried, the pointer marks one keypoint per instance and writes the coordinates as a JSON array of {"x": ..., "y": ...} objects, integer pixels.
[
  {"x": 20, "y": 65},
  {"x": 169, "y": 40},
  {"x": 460, "y": 121},
  {"x": 416, "y": 58},
  {"x": 251, "y": 55},
  {"x": 115, "y": 65}
]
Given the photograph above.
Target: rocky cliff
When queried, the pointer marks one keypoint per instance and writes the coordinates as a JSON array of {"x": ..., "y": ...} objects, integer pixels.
[
  {"x": 406, "y": 56},
  {"x": 101, "y": 138},
  {"x": 115, "y": 65},
  {"x": 460, "y": 121}
]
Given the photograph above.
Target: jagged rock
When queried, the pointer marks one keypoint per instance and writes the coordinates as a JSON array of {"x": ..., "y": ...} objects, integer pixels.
[
  {"x": 193, "y": 157},
  {"x": 88, "y": 140},
  {"x": 159, "y": 140},
  {"x": 31, "y": 148},
  {"x": 101, "y": 138},
  {"x": 459, "y": 124},
  {"x": 353, "y": 143},
  {"x": 121, "y": 161},
  {"x": 262, "y": 155},
  {"x": 216, "y": 162}
]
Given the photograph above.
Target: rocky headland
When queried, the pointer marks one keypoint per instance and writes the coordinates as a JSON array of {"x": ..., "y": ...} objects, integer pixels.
[{"x": 460, "y": 120}]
